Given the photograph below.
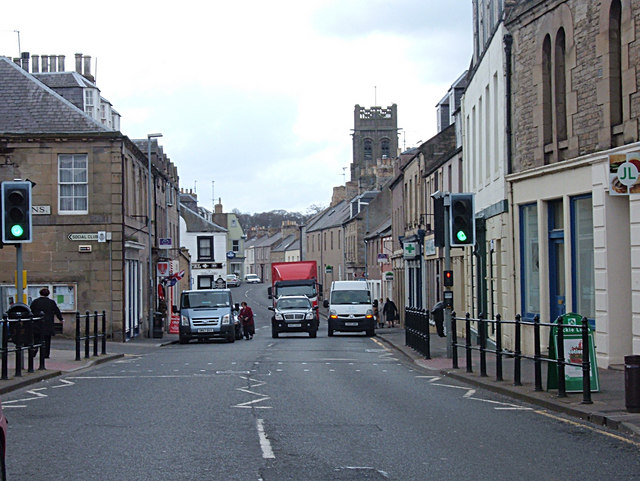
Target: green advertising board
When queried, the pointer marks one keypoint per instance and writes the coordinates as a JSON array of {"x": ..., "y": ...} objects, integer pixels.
[{"x": 573, "y": 353}]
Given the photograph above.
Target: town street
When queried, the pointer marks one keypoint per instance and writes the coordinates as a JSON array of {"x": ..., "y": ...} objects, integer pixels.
[{"x": 293, "y": 408}]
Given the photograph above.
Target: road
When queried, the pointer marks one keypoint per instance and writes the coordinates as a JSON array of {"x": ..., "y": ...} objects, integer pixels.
[{"x": 293, "y": 408}]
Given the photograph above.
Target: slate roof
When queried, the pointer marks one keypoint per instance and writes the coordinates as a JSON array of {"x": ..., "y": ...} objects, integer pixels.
[
  {"x": 332, "y": 217},
  {"x": 28, "y": 106},
  {"x": 284, "y": 244},
  {"x": 196, "y": 223}
]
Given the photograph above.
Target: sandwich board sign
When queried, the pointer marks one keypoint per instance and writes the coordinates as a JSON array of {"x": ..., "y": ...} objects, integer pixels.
[{"x": 573, "y": 352}]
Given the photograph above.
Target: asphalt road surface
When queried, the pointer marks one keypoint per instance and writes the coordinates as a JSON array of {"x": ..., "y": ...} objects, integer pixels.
[{"x": 293, "y": 408}]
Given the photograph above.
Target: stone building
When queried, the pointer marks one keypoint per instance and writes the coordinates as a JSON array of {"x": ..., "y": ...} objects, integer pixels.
[
  {"x": 575, "y": 109},
  {"x": 91, "y": 245}
]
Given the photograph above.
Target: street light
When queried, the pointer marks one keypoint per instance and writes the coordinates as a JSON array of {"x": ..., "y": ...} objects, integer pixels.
[{"x": 151, "y": 275}]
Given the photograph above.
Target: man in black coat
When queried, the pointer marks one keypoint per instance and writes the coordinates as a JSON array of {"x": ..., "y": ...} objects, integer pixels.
[{"x": 47, "y": 308}]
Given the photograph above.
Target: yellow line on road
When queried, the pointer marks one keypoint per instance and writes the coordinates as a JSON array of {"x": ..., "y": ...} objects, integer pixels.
[{"x": 581, "y": 425}]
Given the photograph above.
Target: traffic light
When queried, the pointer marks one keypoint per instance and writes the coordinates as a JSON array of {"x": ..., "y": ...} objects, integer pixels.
[
  {"x": 448, "y": 278},
  {"x": 16, "y": 212},
  {"x": 462, "y": 220}
]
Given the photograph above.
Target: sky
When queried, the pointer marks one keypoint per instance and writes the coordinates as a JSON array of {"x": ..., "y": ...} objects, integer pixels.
[{"x": 254, "y": 99}]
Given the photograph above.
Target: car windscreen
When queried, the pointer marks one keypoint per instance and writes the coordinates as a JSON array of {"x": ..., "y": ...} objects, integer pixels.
[
  {"x": 293, "y": 304},
  {"x": 309, "y": 291},
  {"x": 351, "y": 297},
  {"x": 195, "y": 300}
]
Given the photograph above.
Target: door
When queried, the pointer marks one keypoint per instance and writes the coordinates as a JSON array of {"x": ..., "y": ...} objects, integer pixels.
[{"x": 557, "y": 285}]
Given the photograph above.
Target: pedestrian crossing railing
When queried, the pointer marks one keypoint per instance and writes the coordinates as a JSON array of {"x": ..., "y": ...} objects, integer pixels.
[
  {"x": 417, "y": 334},
  {"x": 87, "y": 320},
  {"x": 19, "y": 336},
  {"x": 558, "y": 359}
]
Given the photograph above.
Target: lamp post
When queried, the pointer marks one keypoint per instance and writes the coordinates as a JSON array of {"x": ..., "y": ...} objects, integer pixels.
[{"x": 149, "y": 195}]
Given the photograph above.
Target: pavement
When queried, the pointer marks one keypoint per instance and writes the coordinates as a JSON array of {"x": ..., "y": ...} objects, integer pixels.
[{"x": 607, "y": 408}]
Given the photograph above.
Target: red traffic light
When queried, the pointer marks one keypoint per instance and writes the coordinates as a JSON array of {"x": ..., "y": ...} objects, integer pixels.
[{"x": 448, "y": 278}]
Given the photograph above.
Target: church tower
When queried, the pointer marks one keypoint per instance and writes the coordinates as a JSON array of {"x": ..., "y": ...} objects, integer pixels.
[{"x": 375, "y": 144}]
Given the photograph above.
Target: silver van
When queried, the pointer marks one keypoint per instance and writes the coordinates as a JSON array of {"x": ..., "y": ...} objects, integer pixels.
[{"x": 208, "y": 314}]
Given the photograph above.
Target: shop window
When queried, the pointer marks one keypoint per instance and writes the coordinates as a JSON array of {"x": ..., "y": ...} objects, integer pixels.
[{"x": 530, "y": 260}]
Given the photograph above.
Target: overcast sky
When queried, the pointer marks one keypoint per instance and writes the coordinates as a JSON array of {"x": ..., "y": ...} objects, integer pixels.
[{"x": 255, "y": 98}]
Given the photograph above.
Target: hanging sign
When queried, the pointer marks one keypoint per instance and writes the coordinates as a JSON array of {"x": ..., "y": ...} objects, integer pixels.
[{"x": 624, "y": 173}]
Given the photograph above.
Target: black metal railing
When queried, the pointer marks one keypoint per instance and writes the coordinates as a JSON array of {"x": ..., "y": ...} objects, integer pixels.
[
  {"x": 517, "y": 355},
  {"x": 20, "y": 332},
  {"x": 88, "y": 337},
  {"x": 417, "y": 334}
]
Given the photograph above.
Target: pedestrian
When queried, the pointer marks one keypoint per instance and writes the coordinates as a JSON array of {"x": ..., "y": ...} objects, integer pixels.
[
  {"x": 381, "y": 308},
  {"x": 390, "y": 312},
  {"x": 246, "y": 318},
  {"x": 376, "y": 312},
  {"x": 47, "y": 309}
]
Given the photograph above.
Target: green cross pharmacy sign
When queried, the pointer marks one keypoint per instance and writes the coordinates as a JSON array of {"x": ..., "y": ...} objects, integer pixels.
[{"x": 411, "y": 250}]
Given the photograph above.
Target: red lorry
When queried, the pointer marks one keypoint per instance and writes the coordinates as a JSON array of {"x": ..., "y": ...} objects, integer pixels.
[{"x": 294, "y": 279}]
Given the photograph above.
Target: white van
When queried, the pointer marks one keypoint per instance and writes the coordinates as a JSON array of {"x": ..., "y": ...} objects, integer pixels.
[{"x": 350, "y": 308}]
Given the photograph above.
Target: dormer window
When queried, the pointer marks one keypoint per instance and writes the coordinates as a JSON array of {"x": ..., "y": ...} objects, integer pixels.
[{"x": 89, "y": 102}]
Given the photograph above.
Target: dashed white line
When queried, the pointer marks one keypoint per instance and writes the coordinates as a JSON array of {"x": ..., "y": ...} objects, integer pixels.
[{"x": 265, "y": 444}]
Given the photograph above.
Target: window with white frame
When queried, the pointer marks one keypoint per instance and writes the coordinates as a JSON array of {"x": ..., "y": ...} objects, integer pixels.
[
  {"x": 205, "y": 248},
  {"x": 582, "y": 251},
  {"x": 89, "y": 101},
  {"x": 73, "y": 189}
]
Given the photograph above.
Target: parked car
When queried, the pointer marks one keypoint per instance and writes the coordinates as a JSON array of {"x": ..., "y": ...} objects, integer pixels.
[
  {"x": 252, "y": 279},
  {"x": 233, "y": 280},
  {"x": 3, "y": 445}
]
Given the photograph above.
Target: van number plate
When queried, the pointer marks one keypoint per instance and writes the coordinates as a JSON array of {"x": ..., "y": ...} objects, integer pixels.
[
  {"x": 295, "y": 325},
  {"x": 205, "y": 330},
  {"x": 350, "y": 324}
]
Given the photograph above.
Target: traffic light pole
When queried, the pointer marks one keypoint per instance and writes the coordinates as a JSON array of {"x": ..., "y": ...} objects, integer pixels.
[
  {"x": 447, "y": 266},
  {"x": 19, "y": 275}
]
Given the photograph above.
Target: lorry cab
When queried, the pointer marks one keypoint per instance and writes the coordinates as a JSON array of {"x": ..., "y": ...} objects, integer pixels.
[
  {"x": 350, "y": 308},
  {"x": 207, "y": 314}
]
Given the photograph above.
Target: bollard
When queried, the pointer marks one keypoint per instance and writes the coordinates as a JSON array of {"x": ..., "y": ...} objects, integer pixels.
[
  {"x": 5, "y": 348},
  {"x": 77, "y": 336},
  {"x": 87, "y": 337},
  {"x": 537, "y": 358},
  {"x": 517, "y": 366},
  {"x": 454, "y": 340},
  {"x": 498, "y": 347},
  {"x": 632, "y": 383},
  {"x": 482, "y": 328},
  {"x": 104, "y": 332},
  {"x": 95, "y": 333},
  {"x": 586, "y": 364},
  {"x": 562, "y": 388},
  {"x": 467, "y": 322}
]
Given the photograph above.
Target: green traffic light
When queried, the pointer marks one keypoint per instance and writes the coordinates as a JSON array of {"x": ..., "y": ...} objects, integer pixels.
[
  {"x": 17, "y": 230},
  {"x": 462, "y": 237}
]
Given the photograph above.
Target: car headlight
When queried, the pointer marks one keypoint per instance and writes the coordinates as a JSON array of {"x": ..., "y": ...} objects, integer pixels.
[
  {"x": 279, "y": 316},
  {"x": 333, "y": 314},
  {"x": 309, "y": 315},
  {"x": 226, "y": 319},
  {"x": 184, "y": 320}
]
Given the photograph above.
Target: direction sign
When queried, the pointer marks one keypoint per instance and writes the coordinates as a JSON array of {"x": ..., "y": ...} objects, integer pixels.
[{"x": 83, "y": 236}]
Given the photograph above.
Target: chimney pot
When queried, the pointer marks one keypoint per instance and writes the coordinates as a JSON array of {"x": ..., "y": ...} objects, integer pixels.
[
  {"x": 25, "y": 60},
  {"x": 87, "y": 66},
  {"x": 35, "y": 63},
  {"x": 79, "y": 63},
  {"x": 45, "y": 63},
  {"x": 52, "y": 63},
  {"x": 60, "y": 63}
]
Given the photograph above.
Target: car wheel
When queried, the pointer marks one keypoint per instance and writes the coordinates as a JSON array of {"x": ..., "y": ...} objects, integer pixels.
[
  {"x": 371, "y": 332},
  {"x": 3, "y": 467},
  {"x": 313, "y": 333},
  {"x": 238, "y": 334},
  {"x": 330, "y": 331},
  {"x": 274, "y": 332},
  {"x": 184, "y": 339}
]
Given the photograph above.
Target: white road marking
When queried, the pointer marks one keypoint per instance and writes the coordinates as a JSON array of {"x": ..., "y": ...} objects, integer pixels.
[
  {"x": 65, "y": 383},
  {"x": 265, "y": 444}
]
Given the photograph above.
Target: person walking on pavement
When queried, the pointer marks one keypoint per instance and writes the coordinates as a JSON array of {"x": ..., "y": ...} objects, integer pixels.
[
  {"x": 376, "y": 312},
  {"x": 47, "y": 309},
  {"x": 390, "y": 312},
  {"x": 246, "y": 318}
]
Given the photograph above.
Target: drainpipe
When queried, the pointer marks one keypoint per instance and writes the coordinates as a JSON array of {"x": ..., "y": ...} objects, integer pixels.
[{"x": 508, "y": 42}]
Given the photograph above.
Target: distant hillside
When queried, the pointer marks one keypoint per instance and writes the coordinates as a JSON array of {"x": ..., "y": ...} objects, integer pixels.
[{"x": 274, "y": 218}]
